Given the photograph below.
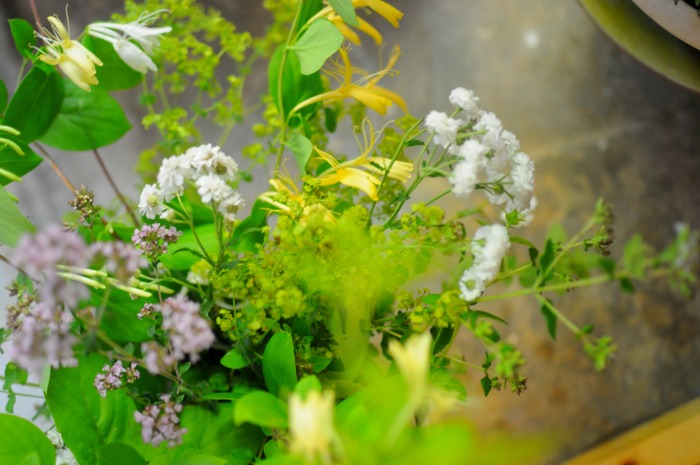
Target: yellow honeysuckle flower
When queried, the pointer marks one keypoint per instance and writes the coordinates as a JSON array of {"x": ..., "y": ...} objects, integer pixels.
[
  {"x": 364, "y": 90},
  {"x": 350, "y": 174},
  {"x": 351, "y": 35},
  {"x": 382, "y": 8},
  {"x": 284, "y": 185},
  {"x": 76, "y": 61}
]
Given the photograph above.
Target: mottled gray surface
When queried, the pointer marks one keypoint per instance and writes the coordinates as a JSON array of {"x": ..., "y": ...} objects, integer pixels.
[{"x": 596, "y": 123}]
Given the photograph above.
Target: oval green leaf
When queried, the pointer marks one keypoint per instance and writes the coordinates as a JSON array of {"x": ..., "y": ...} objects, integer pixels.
[
  {"x": 279, "y": 365},
  {"x": 36, "y": 104},
  {"x": 17, "y": 164},
  {"x": 87, "y": 120},
  {"x": 261, "y": 408},
  {"x": 234, "y": 360},
  {"x": 22, "y": 442},
  {"x": 345, "y": 10},
  {"x": 321, "y": 40},
  {"x": 12, "y": 222},
  {"x": 23, "y": 36}
]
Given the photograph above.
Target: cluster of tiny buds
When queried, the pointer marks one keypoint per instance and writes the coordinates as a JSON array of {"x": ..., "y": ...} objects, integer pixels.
[
  {"x": 115, "y": 376},
  {"x": 83, "y": 202}
]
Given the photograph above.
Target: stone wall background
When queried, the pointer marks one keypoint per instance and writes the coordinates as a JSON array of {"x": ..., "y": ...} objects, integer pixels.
[{"x": 596, "y": 123}]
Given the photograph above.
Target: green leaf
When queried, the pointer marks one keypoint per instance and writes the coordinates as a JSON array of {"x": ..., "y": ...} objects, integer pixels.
[
  {"x": 119, "y": 321},
  {"x": 199, "y": 459},
  {"x": 176, "y": 260},
  {"x": 12, "y": 222},
  {"x": 234, "y": 360},
  {"x": 87, "y": 120},
  {"x": 551, "y": 320},
  {"x": 114, "y": 74},
  {"x": 279, "y": 365},
  {"x": 345, "y": 10},
  {"x": 23, "y": 35},
  {"x": 17, "y": 164},
  {"x": 248, "y": 233},
  {"x": 301, "y": 147},
  {"x": 36, "y": 104},
  {"x": 261, "y": 408},
  {"x": 86, "y": 421},
  {"x": 321, "y": 40},
  {"x": 24, "y": 443},
  {"x": 306, "y": 385},
  {"x": 119, "y": 454},
  {"x": 214, "y": 432},
  {"x": 295, "y": 86},
  {"x": 486, "y": 385},
  {"x": 3, "y": 97}
]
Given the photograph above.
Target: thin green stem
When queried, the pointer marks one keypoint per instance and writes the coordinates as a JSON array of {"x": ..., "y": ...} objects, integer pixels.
[
  {"x": 115, "y": 188},
  {"x": 21, "y": 394},
  {"x": 560, "y": 316},
  {"x": 280, "y": 86}
]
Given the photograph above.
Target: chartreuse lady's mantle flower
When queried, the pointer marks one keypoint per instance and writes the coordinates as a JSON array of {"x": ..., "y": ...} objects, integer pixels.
[
  {"x": 350, "y": 174},
  {"x": 120, "y": 36},
  {"x": 364, "y": 90},
  {"x": 380, "y": 7},
  {"x": 76, "y": 61}
]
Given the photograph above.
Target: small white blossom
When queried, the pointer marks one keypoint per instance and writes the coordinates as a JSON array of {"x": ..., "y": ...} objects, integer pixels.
[
  {"x": 212, "y": 188},
  {"x": 151, "y": 201},
  {"x": 173, "y": 173},
  {"x": 444, "y": 127},
  {"x": 489, "y": 245},
  {"x": 466, "y": 100},
  {"x": 464, "y": 178},
  {"x": 229, "y": 206}
]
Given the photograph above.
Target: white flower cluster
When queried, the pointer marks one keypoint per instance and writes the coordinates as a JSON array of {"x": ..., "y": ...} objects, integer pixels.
[
  {"x": 209, "y": 169},
  {"x": 486, "y": 154},
  {"x": 489, "y": 245}
]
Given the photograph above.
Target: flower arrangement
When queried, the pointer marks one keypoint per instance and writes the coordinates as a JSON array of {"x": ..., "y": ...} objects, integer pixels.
[{"x": 196, "y": 325}]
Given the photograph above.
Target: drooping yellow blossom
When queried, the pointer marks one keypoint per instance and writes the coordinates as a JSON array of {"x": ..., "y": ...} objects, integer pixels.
[
  {"x": 364, "y": 90},
  {"x": 295, "y": 206},
  {"x": 76, "y": 61},
  {"x": 382, "y": 8},
  {"x": 413, "y": 361},
  {"x": 311, "y": 426},
  {"x": 350, "y": 174}
]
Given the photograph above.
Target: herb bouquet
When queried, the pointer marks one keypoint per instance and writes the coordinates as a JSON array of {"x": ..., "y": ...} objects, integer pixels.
[{"x": 179, "y": 330}]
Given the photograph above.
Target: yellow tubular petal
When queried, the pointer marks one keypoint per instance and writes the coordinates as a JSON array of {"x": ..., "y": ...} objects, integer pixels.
[
  {"x": 371, "y": 99},
  {"x": 57, "y": 26},
  {"x": 360, "y": 180},
  {"x": 327, "y": 157},
  {"x": 387, "y": 11},
  {"x": 400, "y": 170},
  {"x": 391, "y": 96},
  {"x": 347, "y": 32},
  {"x": 368, "y": 29}
]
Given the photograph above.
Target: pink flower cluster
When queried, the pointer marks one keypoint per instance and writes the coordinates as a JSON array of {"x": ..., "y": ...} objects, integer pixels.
[
  {"x": 188, "y": 331},
  {"x": 160, "y": 423},
  {"x": 53, "y": 259},
  {"x": 153, "y": 239},
  {"x": 113, "y": 378}
]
